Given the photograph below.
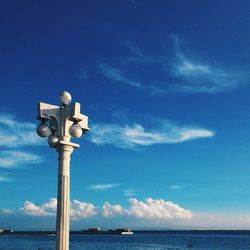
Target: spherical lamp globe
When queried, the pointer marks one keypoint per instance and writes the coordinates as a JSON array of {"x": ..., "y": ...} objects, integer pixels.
[
  {"x": 52, "y": 139},
  {"x": 75, "y": 130},
  {"x": 43, "y": 130},
  {"x": 65, "y": 98}
]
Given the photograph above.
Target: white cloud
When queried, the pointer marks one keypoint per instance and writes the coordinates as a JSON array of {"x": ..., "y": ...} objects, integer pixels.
[
  {"x": 202, "y": 77},
  {"x": 102, "y": 186},
  {"x": 82, "y": 210},
  {"x": 46, "y": 209},
  {"x": 156, "y": 213},
  {"x": 157, "y": 209},
  {"x": 131, "y": 137},
  {"x": 10, "y": 121},
  {"x": 15, "y": 133},
  {"x": 148, "y": 213},
  {"x": 78, "y": 209},
  {"x": 10, "y": 158},
  {"x": 109, "y": 210},
  {"x": 188, "y": 69},
  {"x": 149, "y": 209}
]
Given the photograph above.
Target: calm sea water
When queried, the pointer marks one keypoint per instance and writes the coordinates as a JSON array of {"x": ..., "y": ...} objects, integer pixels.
[{"x": 138, "y": 241}]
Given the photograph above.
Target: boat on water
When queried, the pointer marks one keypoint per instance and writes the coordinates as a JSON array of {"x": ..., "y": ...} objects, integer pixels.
[
  {"x": 98, "y": 230},
  {"x": 5, "y": 231}
]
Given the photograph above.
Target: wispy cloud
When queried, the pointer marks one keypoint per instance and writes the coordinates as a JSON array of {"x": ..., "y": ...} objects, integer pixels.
[
  {"x": 130, "y": 192},
  {"x": 138, "y": 55},
  {"x": 83, "y": 75},
  {"x": 185, "y": 73},
  {"x": 134, "y": 136},
  {"x": 134, "y": 2},
  {"x": 4, "y": 178},
  {"x": 15, "y": 133},
  {"x": 116, "y": 75},
  {"x": 176, "y": 187},
  {"x": 201, "y": 76},
  {"x": 10, "y": 158},
  {"x": 102, "y": 186}
]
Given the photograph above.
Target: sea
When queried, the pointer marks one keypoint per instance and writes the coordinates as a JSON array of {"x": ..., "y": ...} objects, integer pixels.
[{"x": 193, "y": 240}]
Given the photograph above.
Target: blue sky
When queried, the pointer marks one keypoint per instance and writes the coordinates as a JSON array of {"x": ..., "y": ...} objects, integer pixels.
[{"x": 165, "y": 85}]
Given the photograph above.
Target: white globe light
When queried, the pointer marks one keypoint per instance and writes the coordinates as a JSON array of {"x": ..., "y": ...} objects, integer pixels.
[
  {"x": 75, "y": 130},
  {"x": 43, "y": 130},
  {"x": 65, "y": 98},
  {"x": 52, "y": 139}
]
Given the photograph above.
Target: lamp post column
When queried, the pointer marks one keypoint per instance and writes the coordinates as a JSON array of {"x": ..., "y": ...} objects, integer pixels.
[
  {"x": 59, "y": 124},
  {"x": 63, "y": 197}
]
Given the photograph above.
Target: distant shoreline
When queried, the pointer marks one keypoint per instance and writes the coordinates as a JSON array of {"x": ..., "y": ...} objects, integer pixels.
[{"x": 51, "y": 233}]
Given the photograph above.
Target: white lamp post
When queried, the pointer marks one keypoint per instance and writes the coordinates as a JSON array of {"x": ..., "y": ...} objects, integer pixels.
[{"x": 59, "y": 124}]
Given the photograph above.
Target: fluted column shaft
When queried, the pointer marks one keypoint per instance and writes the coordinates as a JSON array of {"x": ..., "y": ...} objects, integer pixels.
[{"x": 63, "y": 197}]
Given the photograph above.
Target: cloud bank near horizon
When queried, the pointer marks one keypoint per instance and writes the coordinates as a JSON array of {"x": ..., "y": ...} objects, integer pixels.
[
  {"x": 155, "y": 209},
  {"x": 150, "y": 213}
]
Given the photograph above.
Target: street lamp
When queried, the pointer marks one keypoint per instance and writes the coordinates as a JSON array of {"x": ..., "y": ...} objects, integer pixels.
[{"x": 59, "y": 124}]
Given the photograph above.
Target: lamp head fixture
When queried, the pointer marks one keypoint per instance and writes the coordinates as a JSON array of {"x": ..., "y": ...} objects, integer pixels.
[{"x": 60, "y": 123}]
